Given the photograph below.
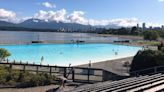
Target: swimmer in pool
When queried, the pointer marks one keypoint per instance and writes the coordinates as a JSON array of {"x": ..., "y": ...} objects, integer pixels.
[
  {"x": 116, "y": 53},
  {"x": 61, "y": 53},
  {"x": 42, "y": 59}
]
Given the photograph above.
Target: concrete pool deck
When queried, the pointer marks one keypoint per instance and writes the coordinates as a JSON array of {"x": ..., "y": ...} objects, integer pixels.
[
  {"x": 115, "y": 66},
  {"x": 48, "y": 88}
]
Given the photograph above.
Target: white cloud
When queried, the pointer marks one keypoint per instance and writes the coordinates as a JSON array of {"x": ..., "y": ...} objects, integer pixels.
[
  {"x": 161, "y": 0},
  {"x": 7, "y": 15},
  {"x": 127, "y": 22},
  {"x": 148, "y": 24},
  {"x": 51, "y": 15},
  {"x": 77, "y": 17},
  {"x": 74, "y": 17},
  {"x": 23, "y": 19},
  {"x": 48, "y": 5}
]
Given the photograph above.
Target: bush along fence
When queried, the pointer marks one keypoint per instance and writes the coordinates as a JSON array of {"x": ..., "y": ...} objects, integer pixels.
[{"x": 76, "y": 74}]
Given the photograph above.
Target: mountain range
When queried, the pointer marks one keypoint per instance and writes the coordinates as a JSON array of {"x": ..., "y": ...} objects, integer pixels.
[{"x": 53, "y": 25}]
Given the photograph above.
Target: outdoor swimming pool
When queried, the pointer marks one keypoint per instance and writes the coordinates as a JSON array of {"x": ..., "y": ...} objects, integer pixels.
[{"x": 64, "y": 54}]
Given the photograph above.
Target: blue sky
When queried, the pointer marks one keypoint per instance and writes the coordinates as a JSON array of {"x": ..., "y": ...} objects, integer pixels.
[{"x": 82, "y": 11}]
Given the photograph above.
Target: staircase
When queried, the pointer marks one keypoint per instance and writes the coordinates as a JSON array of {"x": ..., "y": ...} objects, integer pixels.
[{"x": 146, "y": 83}]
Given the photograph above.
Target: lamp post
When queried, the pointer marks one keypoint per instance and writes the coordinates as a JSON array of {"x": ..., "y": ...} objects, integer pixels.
[
  {"x": 42, "y": 59},
  {"x": 89, "y": 66},
  {"x": 127, "y": 65}
]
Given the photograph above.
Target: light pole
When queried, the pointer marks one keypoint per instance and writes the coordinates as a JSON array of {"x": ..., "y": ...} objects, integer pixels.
[{"x": 89, "y": 66}]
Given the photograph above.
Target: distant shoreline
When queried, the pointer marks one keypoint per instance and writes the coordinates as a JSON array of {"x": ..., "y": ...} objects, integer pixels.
[
  {"x": 44, "y": 30},
  {"x": 17, "y": 37},
  {"x": 88, "y": 38},
  {"x": 133, "y": 45}
]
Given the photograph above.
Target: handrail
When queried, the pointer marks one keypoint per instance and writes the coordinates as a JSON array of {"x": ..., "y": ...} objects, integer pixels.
[{"x": 155, "y": 70}]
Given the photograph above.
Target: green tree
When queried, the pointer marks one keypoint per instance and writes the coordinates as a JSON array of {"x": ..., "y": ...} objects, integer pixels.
[
  {"x": 3, "y": 54},
  {"x": 150, "y": 35},
  {"x": 147, "y": 59},
  {"x": 144, "y": 59},
  {"x": 122, "y": 31},
  {"x": 135, "y": 31},
  {"x": 161, "y": 33}
]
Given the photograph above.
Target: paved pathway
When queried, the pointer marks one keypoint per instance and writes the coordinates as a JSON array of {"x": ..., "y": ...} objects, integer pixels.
[
  {"x": 38, "y": 89},
  {"x": 33, "y": 89}
]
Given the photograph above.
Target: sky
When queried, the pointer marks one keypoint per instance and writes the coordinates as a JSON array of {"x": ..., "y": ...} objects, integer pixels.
[{"x": 93, "y": 12}]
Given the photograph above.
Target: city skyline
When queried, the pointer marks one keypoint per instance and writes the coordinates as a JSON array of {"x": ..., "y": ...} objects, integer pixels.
[{"x": 108, "y": 12}]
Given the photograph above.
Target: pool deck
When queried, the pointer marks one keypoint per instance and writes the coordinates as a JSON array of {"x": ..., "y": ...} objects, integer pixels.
[
  {"x": 115, "y": 66},
  {"x": 32, "y": 89},
  {"x": 49, "y": 88}
]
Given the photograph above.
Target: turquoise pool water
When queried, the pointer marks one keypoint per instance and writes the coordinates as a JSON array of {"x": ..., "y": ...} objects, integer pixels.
[{"x": 64, "y": 54}]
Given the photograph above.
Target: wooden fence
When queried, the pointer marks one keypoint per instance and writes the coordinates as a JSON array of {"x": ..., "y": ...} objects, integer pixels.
[{"x": 76, "y": 74}]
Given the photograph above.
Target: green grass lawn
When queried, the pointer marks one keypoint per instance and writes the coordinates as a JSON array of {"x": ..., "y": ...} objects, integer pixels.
[{"x": 152, "y": 43}]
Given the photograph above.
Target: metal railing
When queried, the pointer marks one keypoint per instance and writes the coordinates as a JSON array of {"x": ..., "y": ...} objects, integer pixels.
[{"x": 152, "y": 70}]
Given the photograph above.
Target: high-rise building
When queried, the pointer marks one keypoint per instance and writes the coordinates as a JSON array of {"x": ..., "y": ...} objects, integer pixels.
[
  {"x": 150, "y": 27},
  {"x": 144, "y": 26},
  {"x": 137, "y": 26},
  {"x": 162, "y": 27}
]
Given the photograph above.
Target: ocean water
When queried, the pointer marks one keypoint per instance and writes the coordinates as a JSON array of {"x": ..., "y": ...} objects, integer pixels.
[
  {"x": 23, "y": 37},
  {"x": 65, "y": 54}
]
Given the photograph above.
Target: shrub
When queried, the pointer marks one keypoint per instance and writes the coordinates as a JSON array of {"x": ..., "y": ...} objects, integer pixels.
[
  {"x": 23, "y": 79},
  {"x": 3, "y": 54},
  {"x": 147, "y": 59},
  {"x": 3, "y": 74}
]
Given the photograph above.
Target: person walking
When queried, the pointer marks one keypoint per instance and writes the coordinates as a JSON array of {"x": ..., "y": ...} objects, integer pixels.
[{"x": 42, "y": 59}]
